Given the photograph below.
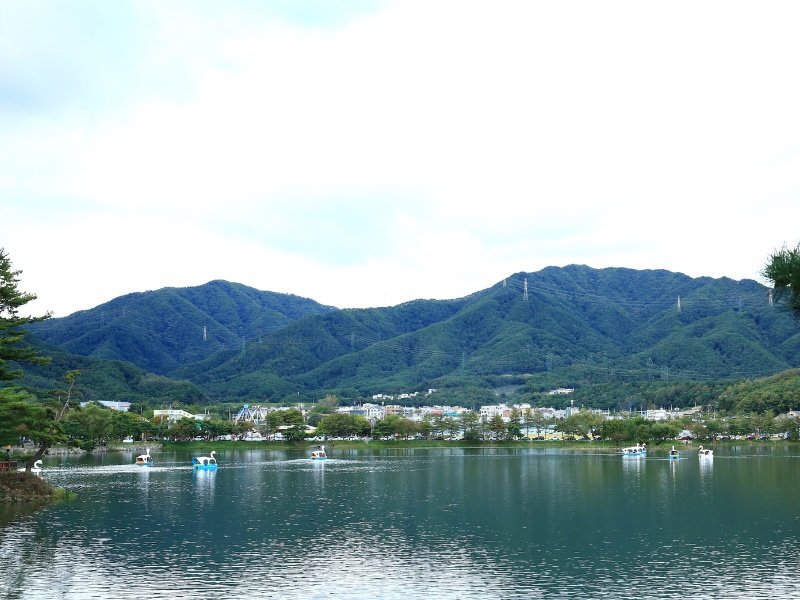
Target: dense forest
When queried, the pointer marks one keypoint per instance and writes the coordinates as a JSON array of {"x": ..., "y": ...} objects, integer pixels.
[{"x": 619, "y": 337}]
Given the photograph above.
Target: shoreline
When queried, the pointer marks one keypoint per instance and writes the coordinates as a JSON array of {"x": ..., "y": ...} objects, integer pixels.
[
  {"x": 351, "y": 444},
  {"x": 28, "y": 488}
]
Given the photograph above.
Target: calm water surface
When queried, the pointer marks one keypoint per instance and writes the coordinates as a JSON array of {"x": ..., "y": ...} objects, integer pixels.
[{"x": 427, "y": 523}]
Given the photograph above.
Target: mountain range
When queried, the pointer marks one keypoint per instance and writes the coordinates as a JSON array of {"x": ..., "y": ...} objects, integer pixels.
[{"x": 572, "y": 327}]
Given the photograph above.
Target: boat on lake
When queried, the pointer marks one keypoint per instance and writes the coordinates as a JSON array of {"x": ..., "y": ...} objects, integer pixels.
[
  {"x": 319, "y": 454},
  {"x": 705, "y": 453},
  {"x": 145, "y": 460},
  {"x": 36, "y": 469},
  {"x": 637, "y": 450},
  {"x": 674, "y": 453},
  {"x": 205, "y": 463}
]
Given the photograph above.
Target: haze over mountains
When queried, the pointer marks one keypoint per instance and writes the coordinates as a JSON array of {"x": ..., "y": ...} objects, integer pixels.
[{"x": 572, "y": 326}]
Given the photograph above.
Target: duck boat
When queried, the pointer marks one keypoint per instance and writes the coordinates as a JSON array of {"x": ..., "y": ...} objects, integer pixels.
[
  {"x": 205, "y": 463},
  {"x": 637, "y": 450},
  {"x": 145, "y": 460},
  {"x": 674, "y": 453},
  {"x": 319, "y": 454}
]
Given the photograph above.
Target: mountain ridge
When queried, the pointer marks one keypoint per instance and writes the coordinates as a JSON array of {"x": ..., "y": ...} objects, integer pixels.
[{"x": 560, "y": 326}]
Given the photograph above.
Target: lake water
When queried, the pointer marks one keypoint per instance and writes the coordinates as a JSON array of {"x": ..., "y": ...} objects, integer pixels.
[{"x": 424, "y": 523}]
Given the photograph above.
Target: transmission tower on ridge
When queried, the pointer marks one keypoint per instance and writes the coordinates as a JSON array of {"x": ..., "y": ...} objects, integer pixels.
[{"x": 525, "y": 291}]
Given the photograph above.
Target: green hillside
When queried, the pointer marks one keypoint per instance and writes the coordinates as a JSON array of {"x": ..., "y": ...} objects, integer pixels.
[
  {"x": 117, "y": 381},
  {"x": 560, "y": 327},
  {"x": 162, "y": 330}
]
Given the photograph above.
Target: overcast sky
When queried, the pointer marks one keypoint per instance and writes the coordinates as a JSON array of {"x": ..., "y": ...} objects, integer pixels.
[{"x": 366, "y": 153}]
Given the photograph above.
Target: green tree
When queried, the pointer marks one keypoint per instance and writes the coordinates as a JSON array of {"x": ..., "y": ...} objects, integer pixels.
[
  {"x": 11, "y": 324},
  {"x": 124, "y": 424},
  {"x": 274, "y": 420},
  {"x": 183, "y": 429},
  {"x": 214, "y": 428},
  {"x": 539, "y": 421},
  {"x": 470, "y": 424},
  {"x": 393, "y": 425},
  {"x": 294, "y": 423},
  {"x": 741, "y": 425},
  {"x": 18, "y": 409},
  {"x": 616, "y": 430},
  {"x": 514, "y": 427},
  {"x": 788, "y": 426},
  {"x": 496, "y": 427},
  {"x": 23, "y": 416},
  {"x": 581, "y": 424},
  {"x": 424, "y": 427},
  {"x": 89, "y": 426},
  {"x": 450, "y": 427},
  {"x": 324, "y": 407},
  {"x": 715, "y": 428},
  {"x": 783, "y": 270},
  {"x": 344, "y": 425},
  {"x": 664, "y": 430}
]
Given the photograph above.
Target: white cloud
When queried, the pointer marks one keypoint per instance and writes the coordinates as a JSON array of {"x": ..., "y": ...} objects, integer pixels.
[{"x": 493, "y": 138}]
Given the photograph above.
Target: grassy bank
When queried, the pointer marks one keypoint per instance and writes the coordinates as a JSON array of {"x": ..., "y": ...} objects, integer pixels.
[{"x": 24, "y": 487}]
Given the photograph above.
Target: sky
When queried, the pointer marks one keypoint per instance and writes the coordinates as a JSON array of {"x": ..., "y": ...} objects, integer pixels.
[{"x": 371, "y": 152}]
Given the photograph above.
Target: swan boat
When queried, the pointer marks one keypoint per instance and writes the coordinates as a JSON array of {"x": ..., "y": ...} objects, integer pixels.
[
  {"x": 705, "y": 453},
  {"x": 205, "y": 463},
  {"x": 36, "y": 469},
  {"x": 319, "y": 454},
  {"x": 637, "y": 450},
  {"x": 145, "y": 459}
]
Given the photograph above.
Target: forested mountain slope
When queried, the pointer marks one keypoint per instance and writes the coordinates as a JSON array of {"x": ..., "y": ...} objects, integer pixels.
[
  {"x": 570, "y": 326},
  {"x": 164, "y": 329},
  {"x": 574, "y": 326}
]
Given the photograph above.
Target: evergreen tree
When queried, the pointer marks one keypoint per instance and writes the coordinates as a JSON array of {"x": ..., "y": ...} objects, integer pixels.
[
  {"x": 22, "y": 415},
  {"x": 11, "y": 331},
  {"x": 783, "y": 270}
]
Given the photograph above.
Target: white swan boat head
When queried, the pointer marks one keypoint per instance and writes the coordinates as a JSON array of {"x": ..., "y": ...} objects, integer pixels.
[{"x": 208, "y": 463}]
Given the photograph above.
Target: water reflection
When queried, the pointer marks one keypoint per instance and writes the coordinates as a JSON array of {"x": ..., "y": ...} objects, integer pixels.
[
  {"x": 706, "y": 466},
  {"x": 439, "y": 524},
  {"x": 633, "y": 465},
  {"x": 204, "y": 482}
]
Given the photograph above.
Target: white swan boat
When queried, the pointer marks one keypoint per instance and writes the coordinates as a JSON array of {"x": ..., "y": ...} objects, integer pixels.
[
  {"x": 36, "y": 469},
  {"x": 145, "y": 459},
  {"x": 637, "y": 450},
  {"x": 319, "y": 454},
  {"x": 205, "y": 463},
  {"x": 705, "y": 453}
]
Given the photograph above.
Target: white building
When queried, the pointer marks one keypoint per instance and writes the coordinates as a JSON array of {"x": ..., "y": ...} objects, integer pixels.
[
  {"x": 120, "y": 406},
  {"x": 174, "y": 414},
  {"x": 561, "y": 391}
]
